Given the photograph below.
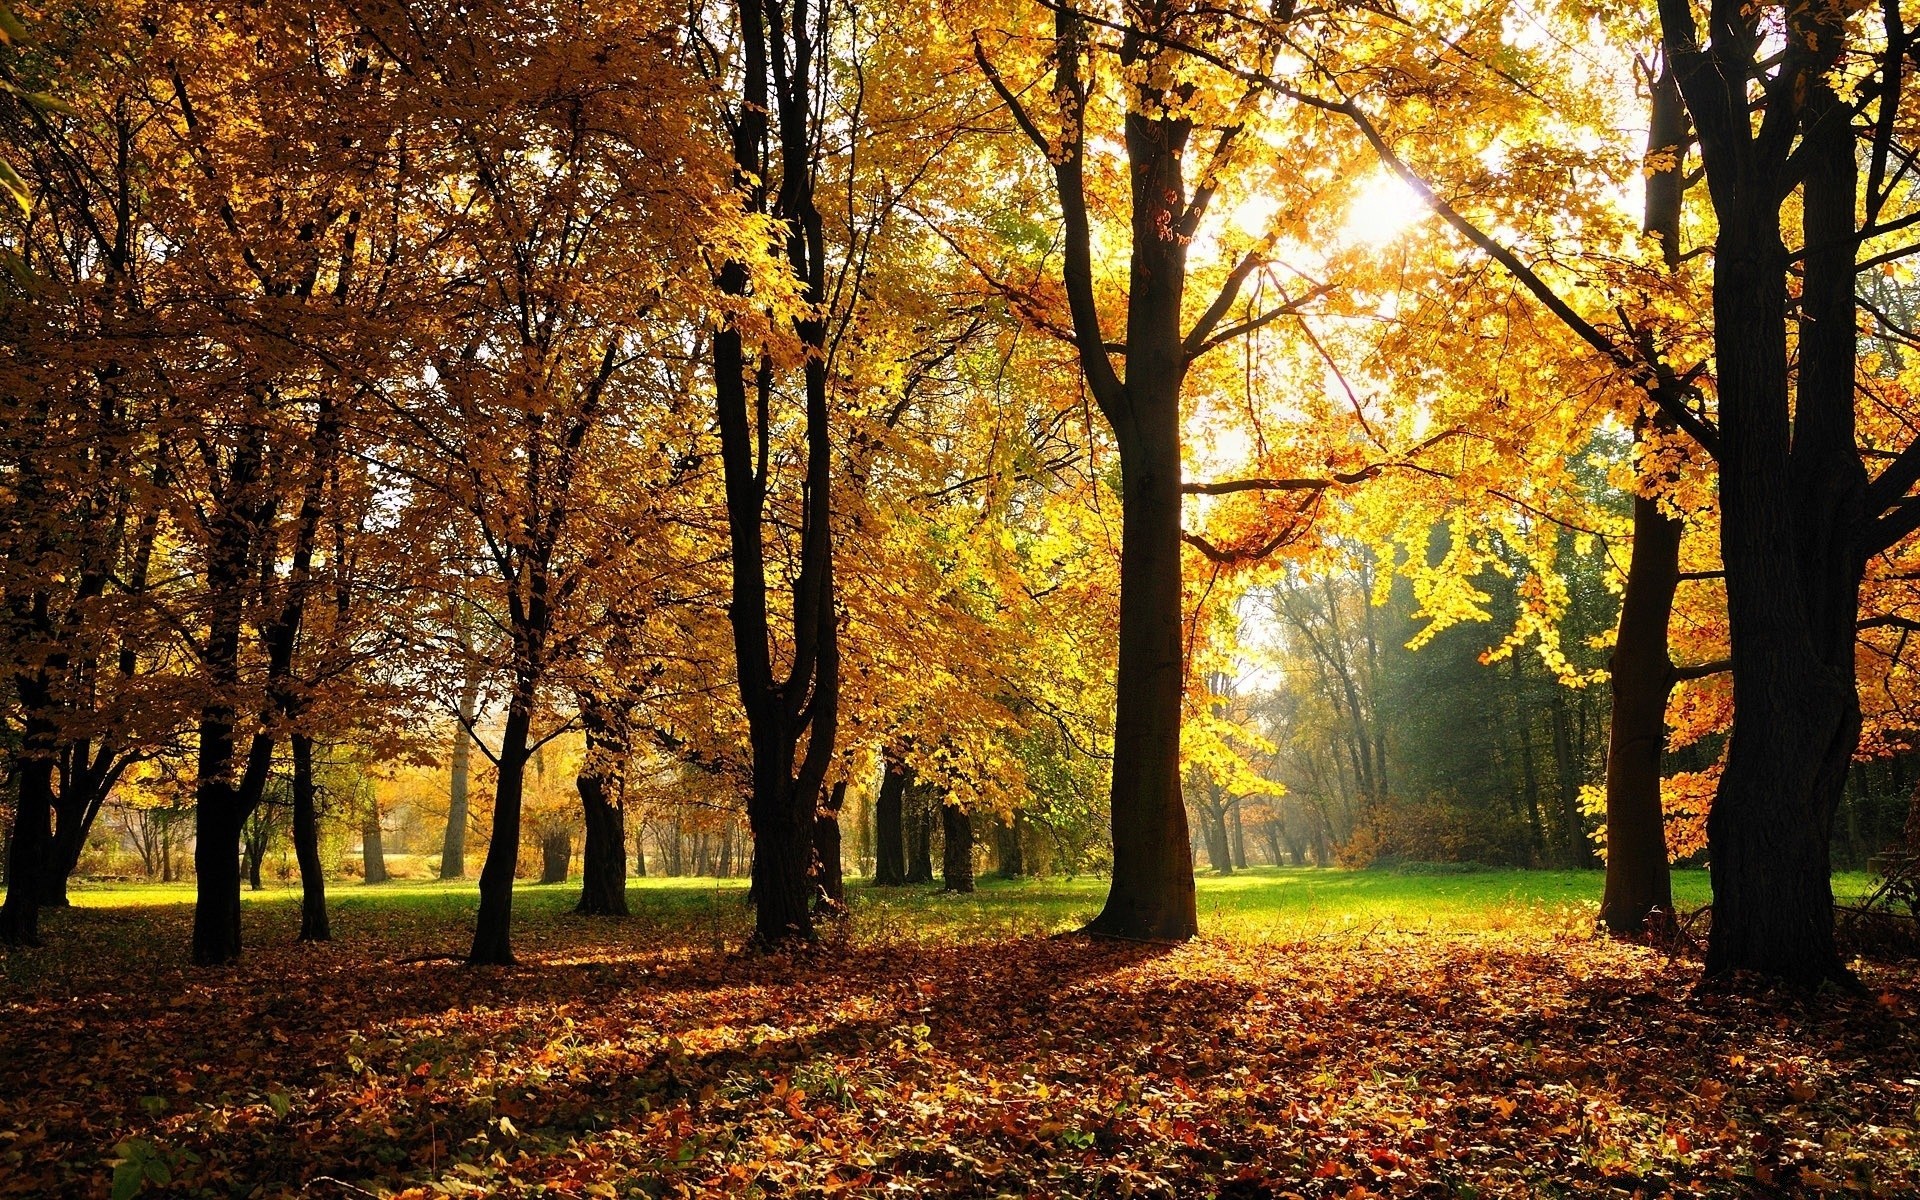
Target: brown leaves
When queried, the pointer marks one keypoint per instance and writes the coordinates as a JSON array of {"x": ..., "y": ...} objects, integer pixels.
[{"x": 1038, "y": 1067}]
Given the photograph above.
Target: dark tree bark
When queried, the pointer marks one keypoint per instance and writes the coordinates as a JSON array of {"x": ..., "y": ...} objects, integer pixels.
[
  {"x": 556, "y": 855},
  {"x": 919, "y": 822},
  {"x": 32, "y": 832},
  {"x": 956, "y": 860},
  {"x": 1639, "y": 887},
  {"x": 800, "y": 708},
  {"x": 453, "y": 847},
  {"x": 254, "y": 849},
  {"x": 306, "y": 845},
  {"x": 492, "y": 930},
  {"x": 1795, "y": 507},
  {"x": 830, "y": 875},
  {"x": 1576, "y": 847},
  {"x": 228, "y": 788},
  {"x": 602, "y": 785},
  {"x": 1239, "y": 834},
  {"x": 1639, "y": 891},
  {"x": 890, "y": 831}
]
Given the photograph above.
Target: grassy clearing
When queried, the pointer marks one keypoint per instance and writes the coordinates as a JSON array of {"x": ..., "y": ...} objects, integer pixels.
[{"x": 1263, "y": 903}]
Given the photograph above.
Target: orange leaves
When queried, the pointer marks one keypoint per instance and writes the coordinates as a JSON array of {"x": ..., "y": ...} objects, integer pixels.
[{"x": 1036, "y": 1067}]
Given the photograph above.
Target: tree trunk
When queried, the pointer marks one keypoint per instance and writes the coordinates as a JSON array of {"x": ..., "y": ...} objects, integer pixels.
[
  {"x": 1239, "y": 833},
  {"x": 28, "y": 846},
  {"x": 776, "y": 78},
  {"x": 306, "y": 845},
  {"x": 492, "y": 930},
  {"x": 919, "y": 823},
  {"x": 957, "y": 859},
  {"x": 1639, "y": 887},
  {"x": 373, "y": 853},
  {"x": 254, "y": 850},
  {"x": 831, "y": 881},
  {"x": 556, "y": 855},
  {"x": 1792, "y": 585},
  {"x": 453, "y": 848},
  {"x": 890, "y": 834},
  {"x": 1151, "y": 894},
  {"x": 1795, "y": 518},
  {"x": 1578, "y": 849},
  {"x": 1008, "y": 849},
  {"x": 603, "y": 861}
]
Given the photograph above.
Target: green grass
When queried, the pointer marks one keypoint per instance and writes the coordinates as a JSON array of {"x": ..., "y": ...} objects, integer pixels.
[{"x": 1259, "y": 904}]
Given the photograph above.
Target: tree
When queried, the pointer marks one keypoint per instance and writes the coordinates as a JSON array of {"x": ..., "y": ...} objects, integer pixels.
[
  {"x": 790, "y": 701},
  {"x": 1800, "y": 515}
]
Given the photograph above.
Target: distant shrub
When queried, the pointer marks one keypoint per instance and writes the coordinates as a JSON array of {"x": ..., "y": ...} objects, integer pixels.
[{"x": 1435, "y": 836}]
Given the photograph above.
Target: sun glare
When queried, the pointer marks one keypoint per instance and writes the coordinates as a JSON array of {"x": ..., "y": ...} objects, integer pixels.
[{"x": 1381, "y": 210}]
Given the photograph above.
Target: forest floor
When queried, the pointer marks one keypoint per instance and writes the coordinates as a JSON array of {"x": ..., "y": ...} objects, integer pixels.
[{"x": 1334, "y": 1034}]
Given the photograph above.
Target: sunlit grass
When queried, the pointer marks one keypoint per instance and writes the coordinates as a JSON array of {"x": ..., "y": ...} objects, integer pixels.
[{"x": 1260, "y": 904}]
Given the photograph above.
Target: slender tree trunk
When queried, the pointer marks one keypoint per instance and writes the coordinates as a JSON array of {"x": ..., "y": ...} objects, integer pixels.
[
  {"x": 306, "y": 845},
  {"x": 1008, "y": 849},
  {"x": 890, "y": 834},
  {"x": 1567, "y": 764},
  {"x": 1639, "y": 887},
  {"x": 957, "y": 859},
  {"x": 779, "y": 58},
  {"x": 831, "y": 881},
  {"x": 492, "y": 940},
  {"x": 453, "y": 849},
  {"x": 1239, "y": 833},
  {"x": 373, "y": 852},
  {"x": 254, "y": 849}
]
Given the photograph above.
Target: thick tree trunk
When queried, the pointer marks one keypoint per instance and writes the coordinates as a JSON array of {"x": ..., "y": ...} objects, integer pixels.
[
  {"x": 216, "y": 863},
  {"x": 306, "y": 845},
  {"x": 1151, "y": 895},
  {"x": 603, "y": 863},
  {"x": 453, "y": 848},
  {"x": 890, "y": 832},
  {"x": 492, "y": 930},
  {"x": 1792, "y": 581},
  {"x": 957, "y": 858},
  {"x": 556, "y": 855},
  {"x": 28, "y": 846}
]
